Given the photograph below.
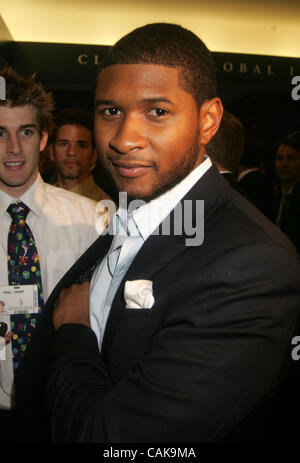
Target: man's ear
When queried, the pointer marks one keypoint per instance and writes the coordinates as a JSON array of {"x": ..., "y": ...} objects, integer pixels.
[
  {"x": 211, "y": 113},
  {"x": 51, "y": 153},
  {"x": 43, "y": 140},
  {"x": 93, "y": 159}
]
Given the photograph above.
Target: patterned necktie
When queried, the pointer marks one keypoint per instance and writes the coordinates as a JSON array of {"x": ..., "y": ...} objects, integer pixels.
[{"x": 23, "y": 269}]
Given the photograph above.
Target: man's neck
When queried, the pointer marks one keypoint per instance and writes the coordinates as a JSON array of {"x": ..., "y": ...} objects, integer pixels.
[
  {"x": 18, "y": 191},
  {"x": 69, "y": 183},
  {"x": 287, "y": 185}
]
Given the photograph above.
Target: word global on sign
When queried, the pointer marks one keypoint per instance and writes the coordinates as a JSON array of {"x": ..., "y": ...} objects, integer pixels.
[
  {"x": 244, "y": 68},
  {"x": 227, "y": 66}
]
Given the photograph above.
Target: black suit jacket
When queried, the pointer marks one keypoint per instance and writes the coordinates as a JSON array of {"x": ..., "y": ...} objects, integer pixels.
[
  {"x": 258, "y": 189},
  {"x": 200, "y": 365},
  {"x": 290, "y": 220},
  {"x": 231, "y": 178}
]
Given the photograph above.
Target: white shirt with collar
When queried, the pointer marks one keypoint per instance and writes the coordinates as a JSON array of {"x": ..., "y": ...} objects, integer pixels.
[
  {"x": 64, "y": 225},
  {"x": 145, "y": 220},
  {"x": 246, "y": 172}
]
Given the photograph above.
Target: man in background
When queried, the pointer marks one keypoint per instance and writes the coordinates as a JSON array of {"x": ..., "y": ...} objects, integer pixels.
[
  {"x": 257, "y": 187},
  {"x": 286, "y": 212},
  {"x": 74, "y": 153},
  {"x": 43, "y": 229},
  {"x": 226, "y": 147}
]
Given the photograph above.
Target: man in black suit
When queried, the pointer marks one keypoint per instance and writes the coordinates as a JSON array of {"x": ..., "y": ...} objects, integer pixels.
[
  {"x": 256, "y": 186},
  {"x": 176, "y": 338},
  {"x": 286, "y": 206}
]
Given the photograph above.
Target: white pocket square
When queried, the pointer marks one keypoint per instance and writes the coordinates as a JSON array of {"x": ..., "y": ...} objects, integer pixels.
[{"x": 138, "y": 294}]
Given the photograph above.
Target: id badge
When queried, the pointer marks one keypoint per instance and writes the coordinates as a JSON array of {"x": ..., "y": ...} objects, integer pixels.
[{"x": 15, "y": 300}]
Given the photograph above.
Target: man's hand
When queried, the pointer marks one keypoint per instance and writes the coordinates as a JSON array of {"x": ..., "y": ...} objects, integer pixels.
[
  {"x": 8, "y": 336},
  {"x": 73, "y": 306}
]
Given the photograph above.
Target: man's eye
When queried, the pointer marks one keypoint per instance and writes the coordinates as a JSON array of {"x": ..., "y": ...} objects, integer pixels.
[
  {"x": 2, "y": 133},
  {"x": 111, "y": 112},
  {"x": 26, "y": 132},
  {"x": 158, "y": 112}
]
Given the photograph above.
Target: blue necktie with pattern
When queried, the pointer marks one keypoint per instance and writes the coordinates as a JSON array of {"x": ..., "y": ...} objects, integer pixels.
[{"x": 23, "y": 269}]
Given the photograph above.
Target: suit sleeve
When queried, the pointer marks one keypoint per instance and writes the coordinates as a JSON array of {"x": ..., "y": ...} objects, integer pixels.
[{"x": 219, "y": 352}]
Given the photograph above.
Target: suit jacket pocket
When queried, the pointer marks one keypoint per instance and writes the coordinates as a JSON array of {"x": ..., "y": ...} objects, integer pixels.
[
  {"x": 136, "y": 319},
  {"x": 132, "y": 339}
]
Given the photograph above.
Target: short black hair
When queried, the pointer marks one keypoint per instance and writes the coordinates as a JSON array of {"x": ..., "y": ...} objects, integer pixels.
[
  {"x": 74, "y": 116},
  {"x": 226, "y": 147},
  {"x": 169, "y": 45},
  {"x": 292, "y": 140},
  {"x": 21, "y": 91}
]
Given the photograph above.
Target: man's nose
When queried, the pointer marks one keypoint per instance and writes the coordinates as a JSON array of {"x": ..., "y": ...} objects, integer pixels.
[
  {"x": 284, "y": 162},
  {"x": 14, "y": 145},
  {"x": 129, "y": 136},
  {"x": 72, "y": 149}
]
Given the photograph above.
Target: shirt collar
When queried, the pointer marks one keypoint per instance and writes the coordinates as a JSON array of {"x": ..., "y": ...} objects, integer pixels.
[
  {"x": 34, "y": 198},
  {"x": 123, "y": 221},
  {"x": 247, "y": 171},
  {"x": 289, "y": 191}
]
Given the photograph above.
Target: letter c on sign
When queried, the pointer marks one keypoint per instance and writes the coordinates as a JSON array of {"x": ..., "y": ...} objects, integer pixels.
[{"x": 81, "y": 59}]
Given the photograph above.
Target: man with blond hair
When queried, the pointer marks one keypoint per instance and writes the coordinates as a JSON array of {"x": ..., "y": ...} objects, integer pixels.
[{"x": 44, "y": 229}]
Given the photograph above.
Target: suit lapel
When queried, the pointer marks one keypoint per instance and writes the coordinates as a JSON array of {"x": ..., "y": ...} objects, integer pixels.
[
  {"x": 159, "y": 250},
  {"x": 84, "y": 266}
]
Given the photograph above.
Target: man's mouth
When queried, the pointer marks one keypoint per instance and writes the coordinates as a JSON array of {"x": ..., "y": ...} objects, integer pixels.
[
  {"x": 131, "y": 169},
  {"x": 14, "y": 164},
  {"x": 71, "y": 163}
]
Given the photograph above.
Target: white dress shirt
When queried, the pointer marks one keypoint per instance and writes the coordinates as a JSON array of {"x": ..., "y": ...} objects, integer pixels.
[
  {"x": 143, "y": 222},
  {"x": 64, "y": 225}
]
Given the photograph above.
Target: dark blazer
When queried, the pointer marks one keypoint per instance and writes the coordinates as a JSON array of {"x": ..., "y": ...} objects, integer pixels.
[
  {"x": 201, "y": 365},
  {"x": 231, "y": 178},
  {"x": 290, "y": 221},
  {"x": 258, "y": 189}
]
